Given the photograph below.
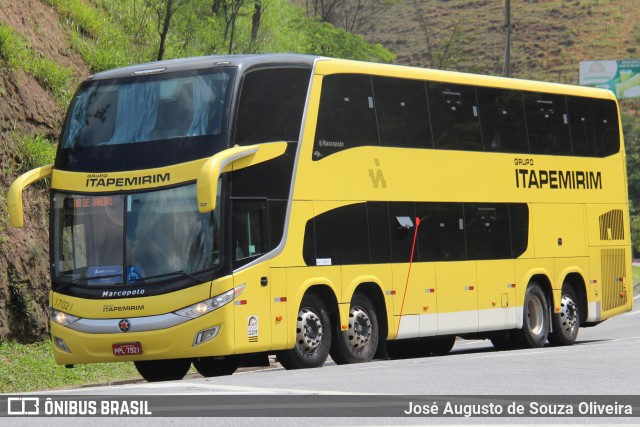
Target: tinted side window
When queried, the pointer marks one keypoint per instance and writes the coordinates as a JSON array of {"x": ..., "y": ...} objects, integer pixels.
[
  {"x": 277, "y": 211},
  {"x": 309, "y": 244},
  {"x": 430, "y": 234},
  {"x": 342, "y": 236},
  {"x": 594, "y": 126},
  {"x": 401, "y": 214},
  {"x": 487, "y": 230},
  {"x": 502, "y": 117},
  {"x": 547, "y": 123},
  {"x": 270, "y": 179},
  {"x": 451, "y": 223},
  {"x": 271, "y": 105},
  {"x": 454, "y": 117},
  {"x": 346, "y": 118},
  {"x": 403, "y": 117},
  {"x": 250, "y": 231},
  {"x": 519, "y": 223},
  {"x": 379, "y": 237}
]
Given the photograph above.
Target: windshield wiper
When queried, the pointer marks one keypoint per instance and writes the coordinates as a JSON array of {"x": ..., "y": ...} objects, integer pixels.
[{"x": 173, "y": 273}]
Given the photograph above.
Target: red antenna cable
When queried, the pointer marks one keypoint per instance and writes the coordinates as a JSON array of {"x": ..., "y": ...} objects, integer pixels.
[{"x": 406, "y": 285}]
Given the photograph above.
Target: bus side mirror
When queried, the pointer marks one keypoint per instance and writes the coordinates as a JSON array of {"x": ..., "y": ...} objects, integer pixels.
[
  {"x": 14, "y": 198},
  {"x": 231, "y": 159}
]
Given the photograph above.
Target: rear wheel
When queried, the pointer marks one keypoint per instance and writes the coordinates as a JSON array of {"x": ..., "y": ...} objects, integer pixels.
[
  {"x": 163, "y": 370},
  {"x": 535, "y": 328},
  {"x": 360, "y": 342},
  {"x": 216, "y": 366},
  {"x": 566, "y": 323},
  {"x": 313, "y": 336}
]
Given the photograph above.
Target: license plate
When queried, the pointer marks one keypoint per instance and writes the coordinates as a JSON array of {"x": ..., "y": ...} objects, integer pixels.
[{"x": 127, "y": 349}]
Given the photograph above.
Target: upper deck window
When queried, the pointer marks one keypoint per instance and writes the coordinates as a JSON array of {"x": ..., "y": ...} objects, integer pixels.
[
  {"x": 271, "y": 105},
  {"x": 368, "y": 110},
  {"x": 347, "y": 118},
  {"x": 402, "y": 113},
  {"x": 547, "y": 124},
  {"x": 503, "y": 122},
  {"x": 454, "y": 117}
]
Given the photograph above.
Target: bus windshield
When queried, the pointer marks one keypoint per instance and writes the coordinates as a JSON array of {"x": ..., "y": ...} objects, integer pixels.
[
  {"x": 179, "y": 114},
  {"x": 132, "y": 239}
]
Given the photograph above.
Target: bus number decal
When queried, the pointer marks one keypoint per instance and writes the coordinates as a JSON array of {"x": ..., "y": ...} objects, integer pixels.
[{"x": 63, "y": 305}]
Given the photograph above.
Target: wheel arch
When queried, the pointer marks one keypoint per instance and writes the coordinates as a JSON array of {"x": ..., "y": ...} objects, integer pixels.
[
  {"x": 544, "y": 282},
  {"x": 542, "y": 279},
  {"x": 373, "y": 291},
  {"x": 327, "y": 294}
]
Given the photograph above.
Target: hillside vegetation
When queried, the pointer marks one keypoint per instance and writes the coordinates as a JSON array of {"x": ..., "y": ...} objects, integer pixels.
[
  {"x": 48, "y": 46},
  {"x": 548, "y": 39}
]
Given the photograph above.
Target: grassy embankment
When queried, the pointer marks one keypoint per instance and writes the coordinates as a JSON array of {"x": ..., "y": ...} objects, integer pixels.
[{"x": 30, "y": 367}]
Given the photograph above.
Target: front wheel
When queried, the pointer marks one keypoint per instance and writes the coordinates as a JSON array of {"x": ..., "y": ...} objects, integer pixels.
[
  {"x": 360, "y": 342},
  {"x": 439, "y": 346},
  {"x": 313, "y": 336},
  {"x": 163, "y": 370},
  {"x": 535, "y": 328},
  {"x": 566, "y": 323},
  {"x": 216, "y": 366}
]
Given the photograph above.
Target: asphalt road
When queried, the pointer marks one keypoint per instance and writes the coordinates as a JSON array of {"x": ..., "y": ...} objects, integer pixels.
[{"x": 602, "y": 362}]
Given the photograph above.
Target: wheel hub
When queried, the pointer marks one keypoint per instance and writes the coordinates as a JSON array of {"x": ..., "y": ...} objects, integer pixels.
[
  {"x": 360, "y": 329},
  {"x": 309, "y": 331},
  {"x": 536, "y": 316},
  {"x": 568, "y": 313}
]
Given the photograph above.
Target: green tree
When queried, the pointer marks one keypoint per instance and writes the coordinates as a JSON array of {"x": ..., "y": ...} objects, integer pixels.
[
  {"x": 165, "y": 9},
  {"x": 631, "y": 130},
  {"x": 351, "y": 15},
  {"x": 324, "y": 39},
  {"x": 205, "y": 27}
]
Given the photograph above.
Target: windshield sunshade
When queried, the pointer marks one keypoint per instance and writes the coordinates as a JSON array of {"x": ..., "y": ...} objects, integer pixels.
[{"x": 122, "y": 112}]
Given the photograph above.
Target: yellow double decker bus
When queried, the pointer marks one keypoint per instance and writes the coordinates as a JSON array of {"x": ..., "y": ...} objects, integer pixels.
[{"x": 208, "y": 209}]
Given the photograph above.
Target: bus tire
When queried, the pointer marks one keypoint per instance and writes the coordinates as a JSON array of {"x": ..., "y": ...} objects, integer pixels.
[
  {"x": 313, "y": 336},
  {"x": 216, "y": 366},
  {"x": 566, "y": 323},
  {"x": 535, "y": 328},
  {"x": 439, "y": 346},
  {"x": 504, "y": 341},
  {"x": 163, "y": 370},
  {"x": 405, "y": 349},
  {"x": 360, "y": 342}
]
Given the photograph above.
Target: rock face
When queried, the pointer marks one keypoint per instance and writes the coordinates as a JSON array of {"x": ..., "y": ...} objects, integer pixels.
[{"x": 28, "y": 109}]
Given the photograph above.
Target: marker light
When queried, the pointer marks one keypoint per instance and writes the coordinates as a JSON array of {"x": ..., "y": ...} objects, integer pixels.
[
  {"x": 61, "y": 344},
  {"x": 62, "y": 318},
  {"x": 206, "y": 306},
  {"x": 206, "y": 335}
]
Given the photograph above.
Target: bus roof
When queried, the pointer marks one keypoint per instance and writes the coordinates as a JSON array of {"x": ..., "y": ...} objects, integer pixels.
[
  {"x": 332, "y": 66},
  {"x": 200, "y": 62},
  {"x": 326, "y": 65}
]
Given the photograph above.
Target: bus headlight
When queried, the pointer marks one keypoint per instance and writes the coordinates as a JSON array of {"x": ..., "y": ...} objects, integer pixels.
[
  {"x": 208, "y": 305},
  {"x": 62, "y": 318}
]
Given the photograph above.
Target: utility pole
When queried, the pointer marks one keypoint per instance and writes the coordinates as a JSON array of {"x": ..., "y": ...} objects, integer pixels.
[{"x": 506, "y": 70}]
